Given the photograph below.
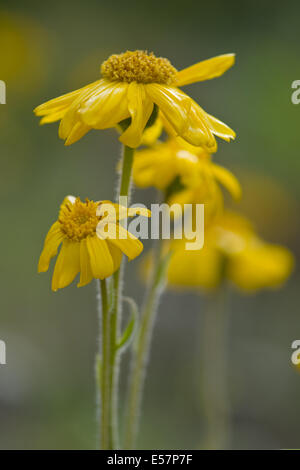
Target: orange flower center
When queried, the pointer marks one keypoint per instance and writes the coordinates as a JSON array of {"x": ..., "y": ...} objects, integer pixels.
[
  {"x": 138, "y": 66},
  {"x": 79, "y": 220}
]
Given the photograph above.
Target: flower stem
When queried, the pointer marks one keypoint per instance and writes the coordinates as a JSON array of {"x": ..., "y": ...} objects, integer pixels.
[
  {"x": 141, "y": 350},
  {"x": 214, "y": 383},
  {"x": 126, "y": 171},
  {"x": 105, "y": 371},
  {"x": 116, "y": 312}
]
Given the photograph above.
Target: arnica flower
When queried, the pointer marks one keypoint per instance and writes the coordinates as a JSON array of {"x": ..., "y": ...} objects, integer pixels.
[
  {"x": 197, "y": 177},
  {"x": 131, "y": 84},
  {"x": 232, "y": 251},
  {"x": 87, "y": 246}
]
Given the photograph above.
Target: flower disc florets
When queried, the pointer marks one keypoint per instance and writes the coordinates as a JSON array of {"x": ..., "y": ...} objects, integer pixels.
[
  {"x": 138, "y": 66},
  {"x": 79, "y": 220}
]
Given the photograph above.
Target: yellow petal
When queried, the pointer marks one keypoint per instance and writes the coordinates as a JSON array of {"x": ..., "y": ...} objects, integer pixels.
[
  {"x": 143, "y": 211},
  {"x": 219, "y": 128},
  {"x": 61, "y": 103},
  {"x": 195, "y": 269},
  {"x": 228, "y": 180},
  {"x": 152, "y": 133},
  {"x": 71, "y": 117},
  {"x": 67, "y": 265},
  {"x": 199, "y": 132},
  {"x": 127, "y": 243},
  {"x": 100, "y": 258},
  {"x": 53, "y": 240},
  {"x": 185, "y": 196},
  {"x": 106, "y": 107},
  {"x": 116, "y": 255},
  {"x": 55, "y": 116},
  {"x": 174, "y": 104},
  {"x": 154, "y": 167},
  {"x": 140, "y": 108},
  {"x": 78, "y": 131},
  {"x": 205, "y": 70},
  {"x": 120, "y": 212},
  {"x": 86, "y": 274},
  {"x": 261, "y": 265}
]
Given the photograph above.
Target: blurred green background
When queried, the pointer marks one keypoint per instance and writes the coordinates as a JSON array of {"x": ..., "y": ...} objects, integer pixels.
[{"x": 47, "y": 390}]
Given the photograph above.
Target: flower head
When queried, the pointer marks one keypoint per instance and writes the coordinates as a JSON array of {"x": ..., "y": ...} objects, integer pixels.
[
  {"x": 92, "y": 239},
  {"x": 131, "y": 84},
  {"x": 233, "y": 251},
  {"x": 198, "y": 178}
]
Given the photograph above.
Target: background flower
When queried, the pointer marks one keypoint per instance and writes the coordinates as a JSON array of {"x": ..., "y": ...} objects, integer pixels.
[{"x": 232, "y": 252}]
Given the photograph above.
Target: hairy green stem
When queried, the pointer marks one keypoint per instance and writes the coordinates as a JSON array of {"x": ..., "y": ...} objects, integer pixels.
[
  {"x": 106, "y": 443},
  {"x": 142, "y": 349},
  {"x": 124, "y": 190},
  {"x": 214, "y": 383},
  {"x": 108, "y": 364}
]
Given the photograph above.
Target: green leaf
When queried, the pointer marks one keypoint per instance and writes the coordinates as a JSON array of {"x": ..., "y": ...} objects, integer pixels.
[{"x": 129, "y": 331}]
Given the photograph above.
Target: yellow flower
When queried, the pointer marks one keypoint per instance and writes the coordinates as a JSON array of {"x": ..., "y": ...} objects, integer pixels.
[
  {"x": 131, "y": 84},
  {"x": 23, "y": 43},
  {"x": 89, "y": 247},
  {"x": 198, "y": 177},
  {"x": 232, "y": 250}
]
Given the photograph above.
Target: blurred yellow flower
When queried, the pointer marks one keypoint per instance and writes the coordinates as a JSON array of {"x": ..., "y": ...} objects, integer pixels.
[
  {"x": 233, "y": 251},
  {"x": 160, "y": 164},
  {"x": 197, "y": 179},
  {"x": 132, "y": 83},
  {"x": 86, "y": 247},
  {"x": 23, "y": 43}
]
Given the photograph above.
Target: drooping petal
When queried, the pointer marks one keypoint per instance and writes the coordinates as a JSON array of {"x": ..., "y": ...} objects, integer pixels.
[
  {"x": 152, "y": 133},
  {"x": 78, "y": 131},
  {"x": 53, "y": 240},
  {"x": 100, "y": 258},
  {"x": 127, "y": 243},
  {"x": 67, "y": 265},
  {"x": 71, "y": 117},
  {"x": 219, "y": 128},
  {"x": 116, "y": 255},
  {"x": 228, "y": 180},
  {"x": 205, "y": 70},
  {"x": 59, "y": 104},
  {"x": 86, "y": 274},
  {"x": 106, "y": 107},
  {"x": 174, "y": 104},
  {"x": 198, "y": 131},
  {"x": 55, "y": 116},
  {"x": 140, "y": 107}
]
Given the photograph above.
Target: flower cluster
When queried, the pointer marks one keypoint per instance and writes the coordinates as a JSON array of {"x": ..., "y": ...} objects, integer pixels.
[
  {"x": 138, "y": 93},
  {"x": 140, "y": 96}
]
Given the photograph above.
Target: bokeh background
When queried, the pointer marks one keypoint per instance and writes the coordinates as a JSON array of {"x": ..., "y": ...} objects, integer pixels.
[{"x": 47, "y": 390}]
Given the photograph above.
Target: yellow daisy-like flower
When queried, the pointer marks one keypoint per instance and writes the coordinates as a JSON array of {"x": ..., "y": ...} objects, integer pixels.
[
  {"x": 198, "y": 178},
  {"x": 89, "y": 247},
  {"x": 232, "y": 250},
  {"x": 131, "y": 84}
]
